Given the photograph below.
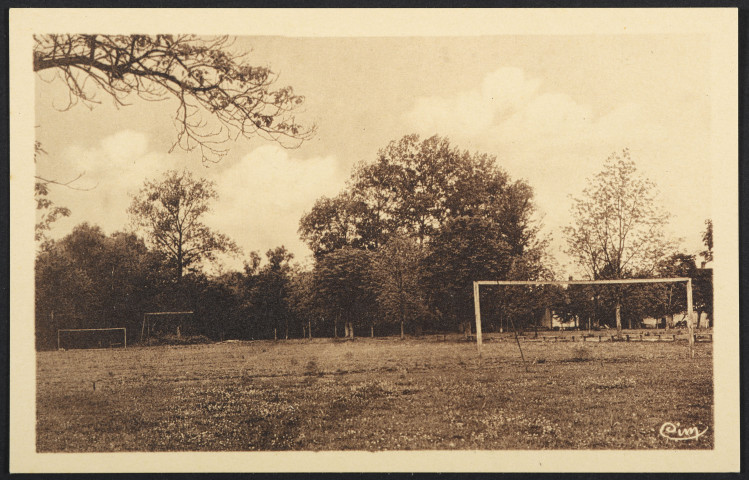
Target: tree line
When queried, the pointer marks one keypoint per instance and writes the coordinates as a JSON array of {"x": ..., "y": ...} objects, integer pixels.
[{"x": 396, "y": 252}]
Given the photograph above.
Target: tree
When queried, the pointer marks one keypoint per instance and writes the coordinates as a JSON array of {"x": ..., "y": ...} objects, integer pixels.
[
  {"x": 270, "y": 295},
  {"x": 90, "y": 280},
  {"x": 707, "y": 239},
  {"x": 170, "y": 211},
  {"x": 414, "y": 188},
  {"x": 343, "y": 282},
  {"x": 466, "y": 250},
  {"x": 206, "y": 77},
  {"x": 303, "y": 301},
  {"x": 396, "y": 273},
  {"x": 448, "y": 202},
  {"x": 337, "y": 222},
  {"x": 618, "y": 228}
]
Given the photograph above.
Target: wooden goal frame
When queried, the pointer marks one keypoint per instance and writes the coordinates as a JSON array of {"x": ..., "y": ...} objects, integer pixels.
[{"x": 687, "y": 280}]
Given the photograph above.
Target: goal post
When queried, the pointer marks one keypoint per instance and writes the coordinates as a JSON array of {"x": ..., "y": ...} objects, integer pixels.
[
  {"x": 90, "y": 331},
  {"x": 687, "y": 280},
  {"x": 148, "y": 326}
]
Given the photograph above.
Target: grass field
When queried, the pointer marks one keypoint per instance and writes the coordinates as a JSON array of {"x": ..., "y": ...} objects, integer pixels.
[{"x": 372, "y": 394}]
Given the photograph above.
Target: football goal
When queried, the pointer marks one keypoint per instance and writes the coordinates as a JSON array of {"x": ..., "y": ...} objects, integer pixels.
[
  {"x": 68, "y": 338},
  {"x": 633, "y": 281},
  {"x": 158, "y": 324}
]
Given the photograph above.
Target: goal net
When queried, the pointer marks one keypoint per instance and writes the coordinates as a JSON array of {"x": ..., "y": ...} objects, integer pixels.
[
  {"x": 158, "y": 325},
  {"x": 584, "y": 303},
  {"x": 68, "y": 338}
]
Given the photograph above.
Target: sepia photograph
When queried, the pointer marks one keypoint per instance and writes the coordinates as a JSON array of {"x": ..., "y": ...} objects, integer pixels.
[{"x": 397, "y": 242}]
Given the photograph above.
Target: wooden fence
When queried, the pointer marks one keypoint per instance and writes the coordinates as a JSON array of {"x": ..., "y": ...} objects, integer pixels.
[{"x": 625, "y": 337}]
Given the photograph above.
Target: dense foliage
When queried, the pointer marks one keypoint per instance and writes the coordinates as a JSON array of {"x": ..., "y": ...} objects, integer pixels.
[
  {"x": 434, "y": 218},
  {"x": 394, "y": 253}
]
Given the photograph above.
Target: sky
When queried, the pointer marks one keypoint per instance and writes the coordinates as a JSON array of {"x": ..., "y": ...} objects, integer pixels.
[{"x": 551, "y": 108}]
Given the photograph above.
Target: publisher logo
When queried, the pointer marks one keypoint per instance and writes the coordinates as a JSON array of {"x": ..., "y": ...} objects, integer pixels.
[{"x": 673, "y": 431}]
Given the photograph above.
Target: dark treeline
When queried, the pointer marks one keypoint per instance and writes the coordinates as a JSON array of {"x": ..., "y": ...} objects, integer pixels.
[{"x": 395, "y": 253}]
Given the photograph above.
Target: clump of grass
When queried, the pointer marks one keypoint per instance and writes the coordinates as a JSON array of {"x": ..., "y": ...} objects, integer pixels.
[
  {"x": 312, "y": 369},
  {"x": 618, "y": 383},
  {"x": 373, "y": 389},
  {"x": 181, "y": 340},
  {"x": 294, "y": 362},
  {"x": 581, "y": 354}
]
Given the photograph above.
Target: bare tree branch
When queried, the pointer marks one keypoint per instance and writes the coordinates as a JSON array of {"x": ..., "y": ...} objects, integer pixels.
[{"x": 207, "y": 78}]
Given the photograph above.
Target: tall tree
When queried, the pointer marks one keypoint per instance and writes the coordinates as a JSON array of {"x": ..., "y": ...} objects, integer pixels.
[
  {"x": 170, "y": 211},
  {"x": 459, "y": 207},
  {"x": 304, "y": 303},
  {"x": 343, "y": 281},
  {"x": 270, "y": 295},
  {"x": 336, "y": 222},
  {"x": 413, "y": 188},
  {"x": 617, "y": 226},
  {"x": 467, "y": 249},
  {"x": 90, "y": 280},
  {"x": 707, "y": 239},
  {"x": 219, "y": 95},
  {"x": 396, "y": 274}
]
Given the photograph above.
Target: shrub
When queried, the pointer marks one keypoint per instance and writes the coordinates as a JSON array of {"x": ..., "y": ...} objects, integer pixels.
[
  {"x": 581, "y": 354},
  {"x": 311, "y": 369},
  {"x": 181, "y": 340}
]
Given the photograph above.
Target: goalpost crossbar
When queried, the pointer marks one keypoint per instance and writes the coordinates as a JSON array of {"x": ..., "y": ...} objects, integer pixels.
[
  {"x": 582, "y": 282},
  {"x": 687, "y": 280}
]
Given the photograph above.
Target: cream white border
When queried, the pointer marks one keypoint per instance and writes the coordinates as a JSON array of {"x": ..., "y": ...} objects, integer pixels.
[{"x": 721, "y": 25}]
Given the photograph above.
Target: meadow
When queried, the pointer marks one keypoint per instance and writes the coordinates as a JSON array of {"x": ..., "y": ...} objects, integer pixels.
[{"x": 373, "y": 394}]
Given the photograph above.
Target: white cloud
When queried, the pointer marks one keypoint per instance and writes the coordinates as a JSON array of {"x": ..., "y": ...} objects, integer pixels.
[
  {"x": 110, "y": 171},
  {"x": 472, "y": 112},
  {"x": 543, "y": 134},
  {"x": 263, "y": 196}
]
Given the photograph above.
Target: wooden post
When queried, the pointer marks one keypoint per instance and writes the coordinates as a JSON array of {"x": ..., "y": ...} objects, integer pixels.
[
  {"x": 125, "y": 337},
  {"x": 618, "y": 316},
  {"x": 275, "y": 334},
  {"x": 522, "y": 357},
  {"x": 477, "y": 309},
  {"x": 690, "y": 312}
]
